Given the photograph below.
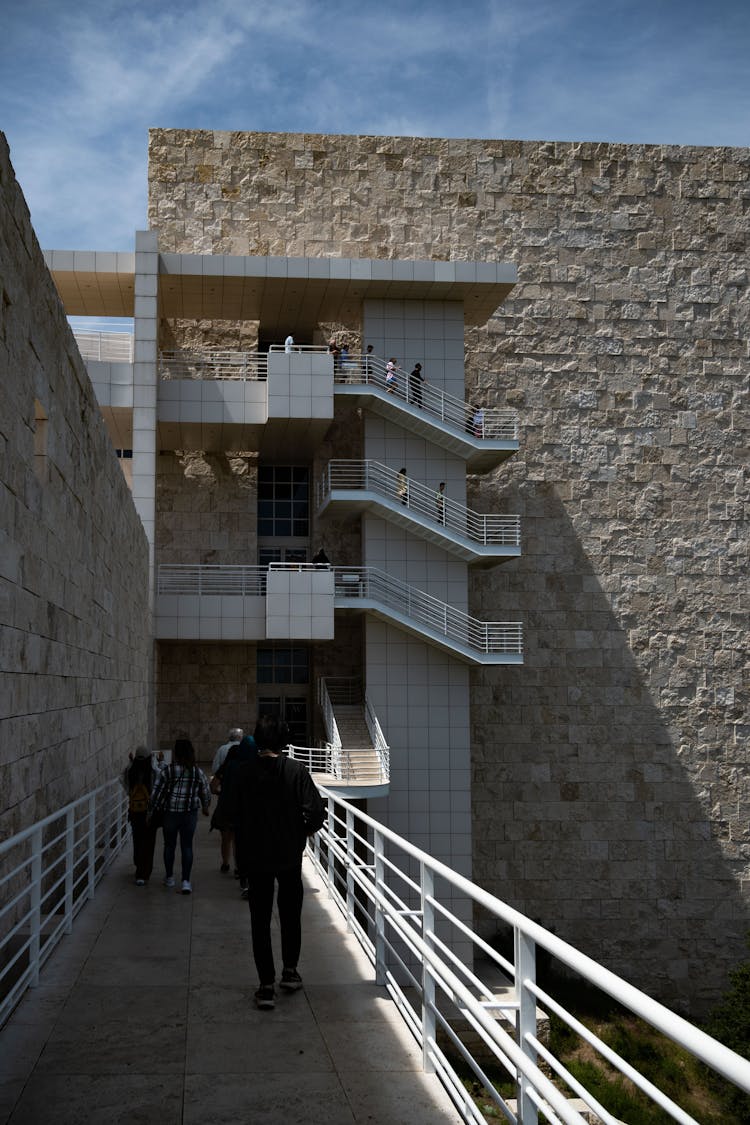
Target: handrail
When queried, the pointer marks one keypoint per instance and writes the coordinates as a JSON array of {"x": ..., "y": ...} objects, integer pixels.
[
  {"x": 350, "y": 582},
  {"x": 212, "y": 363},
  {"x": 485, "y": 424},
  {"x": 48, "y": 872},
  {"x": 368, "y": 582},
  {"x": 385, "y": 887},
  {"x": 439, "y": 509},
  {"x": 110, "y": 347},
  {"x": 347, "y": 692},
  {"x": 382, "y": 749}
]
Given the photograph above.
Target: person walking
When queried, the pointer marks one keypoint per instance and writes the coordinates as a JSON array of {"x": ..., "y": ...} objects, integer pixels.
[
  {"x": 440, "y": 502},
  {"x": 416, "y": 378},
  {"x": 275, "y": 807},
  {"x": 221, "y": 757},
  {"x": 139, "y": 780},
  {"x": 402, "y": 485},
  {"x": 181, "y": 789}
]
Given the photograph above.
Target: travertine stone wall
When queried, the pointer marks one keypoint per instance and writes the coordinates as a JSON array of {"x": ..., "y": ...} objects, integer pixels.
[
  {"x": 206, "y": 505},
  {"x": 74, "y": 615},
  {"x": 610, "y": 777}
]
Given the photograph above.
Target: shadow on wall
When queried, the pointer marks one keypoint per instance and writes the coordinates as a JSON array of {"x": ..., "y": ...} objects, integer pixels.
[{"x": 591, "y": 815}]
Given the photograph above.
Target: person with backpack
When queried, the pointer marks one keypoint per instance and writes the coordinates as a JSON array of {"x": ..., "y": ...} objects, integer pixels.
[
  {"x": 181, "y": 789},
  {"x": 139, "y": 780}
]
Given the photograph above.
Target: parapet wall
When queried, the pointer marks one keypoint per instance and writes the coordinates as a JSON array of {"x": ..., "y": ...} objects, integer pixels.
[
  {"x": 74, "y": 613},
  {"x": 610, "y": 786}
]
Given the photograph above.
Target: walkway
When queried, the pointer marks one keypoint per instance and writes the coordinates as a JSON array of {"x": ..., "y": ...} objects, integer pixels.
[{"x": 145, "y": 1015}]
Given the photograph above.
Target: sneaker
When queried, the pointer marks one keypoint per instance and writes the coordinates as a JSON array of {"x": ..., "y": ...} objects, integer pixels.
[
  {"x": 290, "y": 980},
  {"x": 186, "y": 888},
  {"x": 265, "y": 997},
  {"x": 140, "y": 882},
  {"x": 224, "y": 868},
  {"x": 169, "y": 881}
]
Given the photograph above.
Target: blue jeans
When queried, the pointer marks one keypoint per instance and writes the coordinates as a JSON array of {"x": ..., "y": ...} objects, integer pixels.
[{"x": 184, "y": 824}]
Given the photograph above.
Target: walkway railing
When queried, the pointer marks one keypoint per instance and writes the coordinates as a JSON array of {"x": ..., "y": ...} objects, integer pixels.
[
  {"x": 212, "y": 363},
  {"x": 369, "y": 583},
  {"x": 486, "y": 424},
  {"x": 112, "y": 347},
  {"x": 47, "y": 873},
  {"x": 347, "y": 691},
  {"x": 394, "y": 896},
  {"x": 210, "y": 580},
  {"x": 439, "y": 509}
]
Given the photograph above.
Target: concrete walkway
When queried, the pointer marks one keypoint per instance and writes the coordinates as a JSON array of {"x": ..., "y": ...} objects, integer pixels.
[{"x": 145, "y": 1015}]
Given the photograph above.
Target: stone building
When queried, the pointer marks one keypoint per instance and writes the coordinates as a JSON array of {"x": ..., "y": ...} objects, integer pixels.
[
  {"x": 75, "y": 635},
  {"x": 600, "y": 293}
]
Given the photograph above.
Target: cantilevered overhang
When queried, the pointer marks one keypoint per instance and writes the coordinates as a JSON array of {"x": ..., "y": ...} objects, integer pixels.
[{"x": 285, "y": 294}]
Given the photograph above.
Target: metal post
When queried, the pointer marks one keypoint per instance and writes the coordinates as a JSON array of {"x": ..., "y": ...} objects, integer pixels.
[
  {"x": 379, "y": 917},
  {"x": 350, "y": 859},
  {"x": 91, "y": 847},
  {"x": 35, "y": 902},
  {"x": 331, "y": 835},
  {"x": 525, "y": 960},
  {"x": 427, "y": 885},
  {"x": 69, "y": 868}
]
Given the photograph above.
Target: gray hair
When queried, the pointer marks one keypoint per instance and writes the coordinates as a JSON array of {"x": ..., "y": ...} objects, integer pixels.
[{"x": 235, "y": 734}]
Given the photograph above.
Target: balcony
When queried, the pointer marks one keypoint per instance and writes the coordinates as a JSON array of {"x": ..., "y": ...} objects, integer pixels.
[
  {"x": 234, "y": 603},
  {"x": 246, "y": 603},
  {"x": 216, "y": 399},
  {"x": 361, "y": 486}
]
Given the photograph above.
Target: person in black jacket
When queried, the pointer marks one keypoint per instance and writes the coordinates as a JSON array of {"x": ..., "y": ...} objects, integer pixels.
[{"x": 275, "y": 807}]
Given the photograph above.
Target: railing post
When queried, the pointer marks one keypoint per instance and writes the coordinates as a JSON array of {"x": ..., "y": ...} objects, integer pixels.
[
  {"x": 379, "y": 917},
  {"x": 525, "y": 961},
  {"x": 331, "y": 837},
  {"x": 350, "y": 858},
  {"x": 427, "y": 886},
  {"x": 69, "y": 868},
  {"x": 35, "y": 904},
  {"x": 91, "y": 847}
]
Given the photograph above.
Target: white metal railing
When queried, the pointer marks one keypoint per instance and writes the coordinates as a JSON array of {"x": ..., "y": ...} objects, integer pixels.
[
  {"x": 211, "y": 580},
  {"x": 47, "y": 873},
  {"x": 212, "y": 363},
  {"x": 346, "y": 691},
  {"x": 394, "y": 897},
  {"x": 490, "y": 424},
  {"x": 111, "y": 347},
  {"x": 439, "y": 509},
  {"x": 351, "y": 582},
  {"x": 367, "y": 582},
  {"x": 382, "y": 748}
]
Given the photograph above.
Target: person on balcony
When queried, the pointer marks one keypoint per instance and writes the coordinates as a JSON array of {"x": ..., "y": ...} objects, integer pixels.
[
  {"x": 440, "y": 502},
  {"x": 416, "y": 378},
  {"x": 320, "y": 559},
  {"x": 289, "y": 344},
  {"x": 275, "y": 806},
  {"x": 402, "y": 485},
  {"x": 367, "y": 365},
  {"x": 391, "y": 377},
  {"x": 478, "y": 422}
]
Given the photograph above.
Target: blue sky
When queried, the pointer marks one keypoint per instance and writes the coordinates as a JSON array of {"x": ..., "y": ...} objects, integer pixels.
[{"x": 81, "y": 81}]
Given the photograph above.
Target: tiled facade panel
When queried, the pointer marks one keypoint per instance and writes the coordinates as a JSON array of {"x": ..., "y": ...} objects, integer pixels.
[
  {"x": 74, "y": 619},
  {"x": 610, "y": 794}
]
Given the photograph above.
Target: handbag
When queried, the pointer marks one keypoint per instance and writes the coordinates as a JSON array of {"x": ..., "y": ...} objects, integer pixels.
[
  {"x": 156, "y": 818},
  {"x": 215, "y": 784}
]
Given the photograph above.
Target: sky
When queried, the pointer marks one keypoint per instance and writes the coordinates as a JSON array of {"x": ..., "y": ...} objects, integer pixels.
[{"x": 82, "y": 81}]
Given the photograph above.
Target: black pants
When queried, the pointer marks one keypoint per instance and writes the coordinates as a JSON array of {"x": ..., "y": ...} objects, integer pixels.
[
  {"x": 289, "y": 901},
  {"x": 144, "y": 839}
]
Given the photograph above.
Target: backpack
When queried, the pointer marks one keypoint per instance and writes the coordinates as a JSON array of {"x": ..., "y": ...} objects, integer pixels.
[{"x": 139, "y": 797}]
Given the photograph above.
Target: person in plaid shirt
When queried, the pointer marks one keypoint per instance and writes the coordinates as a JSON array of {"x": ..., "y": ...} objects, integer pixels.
[{"x": 180, "y": 790}]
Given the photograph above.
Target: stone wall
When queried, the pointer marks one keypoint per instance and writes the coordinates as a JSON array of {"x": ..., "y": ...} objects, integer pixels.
[
  {"x": 75, "y": 641},
  {"x": 610, "y": 779}
]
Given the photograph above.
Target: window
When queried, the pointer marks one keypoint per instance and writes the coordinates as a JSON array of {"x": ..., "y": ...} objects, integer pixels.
[
  {"x": 283, "y": 665},
  {"x": 283, "y": 500}
]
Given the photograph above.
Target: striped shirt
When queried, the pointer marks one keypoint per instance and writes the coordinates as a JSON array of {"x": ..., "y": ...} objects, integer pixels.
[{"x": 186, "y": 789}]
